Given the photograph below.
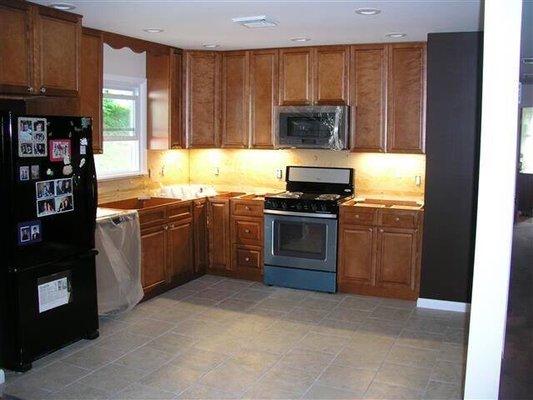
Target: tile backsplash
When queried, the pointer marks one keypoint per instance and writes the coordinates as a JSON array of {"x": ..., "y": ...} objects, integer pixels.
[{"x": 376, "y": 175}]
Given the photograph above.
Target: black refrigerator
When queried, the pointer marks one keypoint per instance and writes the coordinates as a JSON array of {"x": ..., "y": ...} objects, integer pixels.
[{"x": 48, "y": 200}]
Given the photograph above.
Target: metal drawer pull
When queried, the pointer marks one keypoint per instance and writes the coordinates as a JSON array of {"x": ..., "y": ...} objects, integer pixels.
[
  {"x": 247, "y": 259},
  {"x": 397, "y": 219},
  {"x": 43, "y": 90},
  {"x": 247, "y": 208},
  {"x": 247, "y": 231},
  {"x": 357, "y": 216}
]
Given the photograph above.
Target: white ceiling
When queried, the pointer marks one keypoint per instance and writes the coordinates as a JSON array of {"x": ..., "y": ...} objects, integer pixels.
[{"x": 190, "y": 24}]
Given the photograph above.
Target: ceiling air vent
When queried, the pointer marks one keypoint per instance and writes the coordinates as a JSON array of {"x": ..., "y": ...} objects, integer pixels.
[{"x": 259, "y": 21}]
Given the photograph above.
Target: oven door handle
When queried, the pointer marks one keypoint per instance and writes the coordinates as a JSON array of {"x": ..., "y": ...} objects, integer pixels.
[{"x": 301, "y": 214}]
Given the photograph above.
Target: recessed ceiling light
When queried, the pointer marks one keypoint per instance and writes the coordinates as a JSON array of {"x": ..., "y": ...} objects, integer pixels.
[
  {"x": 211, "y": 45},
  {"x": 153, "y": 30},
  {"x": 367, "y": 11},
  {"x": 395, "y": 35},
  {"x": 257, "y": 21},
  {"x": 63, "y": 6},
  {"x": 300, "y": 39}
]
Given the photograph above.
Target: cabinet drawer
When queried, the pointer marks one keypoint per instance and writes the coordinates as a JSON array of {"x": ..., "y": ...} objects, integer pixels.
[
  {"x": 358, "y": 216},
  {"x": 248, "y": 257},
  {"x": 398, "y": 219},
  {"x": 247, "y": 208},
  {"x": 179, "y": 211},
  {"x": 248, "y": 232},
  {"x": 154, "y": 216}
]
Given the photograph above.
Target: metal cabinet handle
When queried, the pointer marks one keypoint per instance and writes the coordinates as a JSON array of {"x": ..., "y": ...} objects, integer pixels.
[
  {"x": 165, "y": 227},
  {"x": 357, "y": 216},
  {"x": 43, "y": 89},
  {"x": 247, "y": 208},
  {"x": 31, "y": 89},
  {"x": 381, "y": 230},
  {"x": 397, "y": 219},
  {"x": 247, "y": 230},
  {"x": 247, "y": 259}
]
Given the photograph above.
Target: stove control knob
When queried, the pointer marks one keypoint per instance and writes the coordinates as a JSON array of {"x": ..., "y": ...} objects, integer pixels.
[
  {"x": 268, "y": 204},
  {"x": 323, "y": 207},
  {"x": 298, "y": 206},
  {"x": 314, "y": 206},
  {"x": 284, "y": 205}
]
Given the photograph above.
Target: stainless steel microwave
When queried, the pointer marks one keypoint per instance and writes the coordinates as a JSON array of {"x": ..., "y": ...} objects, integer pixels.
[{"x": 312, "y": 127}]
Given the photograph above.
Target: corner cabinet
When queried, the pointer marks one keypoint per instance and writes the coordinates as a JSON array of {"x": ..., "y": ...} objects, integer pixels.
[
  {"x": 43, "y": 48},
  {"x": 202, "y": 98},
  {"x": 379, "y": 251}
]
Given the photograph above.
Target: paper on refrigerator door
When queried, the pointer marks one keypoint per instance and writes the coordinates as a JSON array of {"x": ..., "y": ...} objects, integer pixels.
[{"x": 53, "y": 294}]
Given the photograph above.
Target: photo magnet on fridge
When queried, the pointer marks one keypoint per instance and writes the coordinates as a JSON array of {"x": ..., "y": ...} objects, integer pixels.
[
  {"x": 54, "y": 197},
  {"x": 24, "y": 173},
  {"x": 29, "y": 232},
  {"x": 35, "y": 172},
  {"x": 32, "y": 137},
  {"x": 59, "y": 150}
]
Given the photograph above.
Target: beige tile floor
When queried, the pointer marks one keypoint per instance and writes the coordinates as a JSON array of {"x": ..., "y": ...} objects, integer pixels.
[{"x": 218, "y": 338}]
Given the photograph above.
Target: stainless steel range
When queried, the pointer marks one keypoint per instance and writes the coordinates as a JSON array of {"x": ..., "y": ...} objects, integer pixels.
[{"x": 301, "y": 228}]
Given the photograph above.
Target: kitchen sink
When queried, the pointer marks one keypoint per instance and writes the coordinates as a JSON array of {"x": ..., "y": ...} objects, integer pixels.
[{"x": 139, "y": 203}]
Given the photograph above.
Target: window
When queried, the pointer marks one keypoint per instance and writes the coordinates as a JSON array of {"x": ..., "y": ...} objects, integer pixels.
[
  {"x": 124, "y": 122},
  {"x": 526, "y": 146}
]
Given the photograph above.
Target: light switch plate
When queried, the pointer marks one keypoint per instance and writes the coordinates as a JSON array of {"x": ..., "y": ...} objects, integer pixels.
[{"x": 279, "y": 173}]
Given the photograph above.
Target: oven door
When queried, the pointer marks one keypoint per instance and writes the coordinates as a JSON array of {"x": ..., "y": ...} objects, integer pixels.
[{"x": 295, "y": 241}]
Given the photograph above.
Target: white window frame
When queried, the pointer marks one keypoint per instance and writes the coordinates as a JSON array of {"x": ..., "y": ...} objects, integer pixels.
[{"x": 126, "y": 82}]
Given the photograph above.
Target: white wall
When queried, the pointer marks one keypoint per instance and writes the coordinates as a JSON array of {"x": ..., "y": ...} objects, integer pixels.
[
  {"x": 124, "y": 62},
  {"x": 496, "y": 198}
]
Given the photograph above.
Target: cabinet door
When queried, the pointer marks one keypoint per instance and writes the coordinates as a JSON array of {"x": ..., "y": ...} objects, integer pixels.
[
  {"x": 16, "y": 45},
  {"x": 263, "y": 97},
  {"x": 180, "y": 250},
  {"x": 296, "y": 76},
  {"x": 58, "y": 41},
  {"x": 219, "y": 235},
  {"x": 158, "y": 71},
  {"x": 91, "y": 83},
  {"x": 200, "y": 235},
  {"x": 331, "y": 75},
  {"x": 176, "y": 76},
  {"x": 406, "y": 98},
  {"x": 235, "y": 99},
  {"x": 357, "y": 248},
  {"x": 154, "y": 273},
  {"x": 397, "y": 259},
  {"x": 202, "y": 99},
  {"x": 368, "y": 98}
]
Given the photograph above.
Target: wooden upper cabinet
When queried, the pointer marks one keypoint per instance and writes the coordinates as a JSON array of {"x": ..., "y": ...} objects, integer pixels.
[
  {"x": 91, "y": 83},
  {"x": 331, "y": 68},
  {"x": 296, "y": 76},
  {"x": 235, "y": 99},
  {"x": 263, "y": 97},
  {"x": 397, "y": 259},
  {"x": 16, "y": 49},
  {"x": 57, "y": 52},
  {"x": 406, "y": 98},
  {"x": 368, "y": 83},
  {"x": 163, "y": 75},
  {"x": 202, "y": 98}
]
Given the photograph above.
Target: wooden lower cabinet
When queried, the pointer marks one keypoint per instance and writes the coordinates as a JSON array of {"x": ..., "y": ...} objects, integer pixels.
[
  {"x": 154, "y": 261},
  {"x": 219, "y": 235},
  {"x": 200, "y": 236},
  {"x": 180, "y": 250},
  {"x": 382, "y": 258}
]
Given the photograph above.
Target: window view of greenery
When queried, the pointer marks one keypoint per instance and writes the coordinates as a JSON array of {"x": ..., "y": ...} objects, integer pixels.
[
  {"x": 121, "y": 140},
  {"x": 526, "y": 142}
]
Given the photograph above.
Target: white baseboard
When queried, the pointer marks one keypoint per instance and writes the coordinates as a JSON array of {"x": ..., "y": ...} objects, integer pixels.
[{"x": 444, "y": 305}]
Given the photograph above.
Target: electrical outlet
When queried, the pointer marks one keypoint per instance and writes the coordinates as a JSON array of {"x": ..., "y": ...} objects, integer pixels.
[
  {"x": 279, "y": 173},
  {"x": 418, "y": 180},
  {"x": 216, "y": 171}
]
